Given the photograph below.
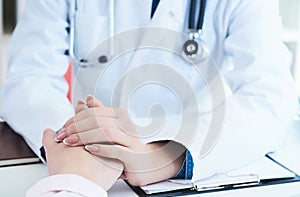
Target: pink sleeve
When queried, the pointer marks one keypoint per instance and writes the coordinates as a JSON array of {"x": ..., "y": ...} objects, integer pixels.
[{"x": 65, "y": 185}]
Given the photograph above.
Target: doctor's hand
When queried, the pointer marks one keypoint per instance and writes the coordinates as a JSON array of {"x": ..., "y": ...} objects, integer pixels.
[
  {"x": 147, "y": 164},
  {"x": 62, "y": 159},
  {"x": 110, "y": 133}
]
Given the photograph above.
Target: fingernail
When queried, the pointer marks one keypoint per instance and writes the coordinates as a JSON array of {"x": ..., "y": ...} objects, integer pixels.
[
  {"x": 71, "y": 140},
  {"x": 79, "y": 101},
  {"x": 89, "y": 97},
  {"x": 92, "y": 148},
  {"x": 61, "y": 136}
]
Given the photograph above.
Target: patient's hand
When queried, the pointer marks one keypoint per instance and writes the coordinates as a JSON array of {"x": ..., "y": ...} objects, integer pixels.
[{"x": 62, "y": 159}]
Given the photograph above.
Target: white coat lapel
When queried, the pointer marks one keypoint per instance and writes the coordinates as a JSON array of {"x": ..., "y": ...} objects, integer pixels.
[
  {"x": 131, "y": 14},
  {"x": 170, "y": 14}
]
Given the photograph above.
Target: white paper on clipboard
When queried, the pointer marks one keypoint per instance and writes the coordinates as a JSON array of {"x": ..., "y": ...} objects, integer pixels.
[{"x": 263, "y": 168}]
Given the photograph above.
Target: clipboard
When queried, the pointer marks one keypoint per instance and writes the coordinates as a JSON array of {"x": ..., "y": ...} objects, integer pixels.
[{"x": 222, "y": 182}]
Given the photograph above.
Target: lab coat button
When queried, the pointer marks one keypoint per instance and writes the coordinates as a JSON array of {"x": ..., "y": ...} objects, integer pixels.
[{"x": 103, "y": 59}]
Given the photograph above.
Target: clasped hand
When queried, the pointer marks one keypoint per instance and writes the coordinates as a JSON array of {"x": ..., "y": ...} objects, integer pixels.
[{"x": 110, "y": 133}]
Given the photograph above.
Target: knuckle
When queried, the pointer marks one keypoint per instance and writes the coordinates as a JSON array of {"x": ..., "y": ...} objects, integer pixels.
[
  {"x": 99, "y": 112},
  {"x": 93, "y": 111},
  {"x": 72, "y": 128},
  {"x": 84, "y": 139},
  {"x": 75, "y": 128},
  {"x": 117, "y": 112},
  {"x": 90, "y": 111},
  {"x": 109, "y": 112}
]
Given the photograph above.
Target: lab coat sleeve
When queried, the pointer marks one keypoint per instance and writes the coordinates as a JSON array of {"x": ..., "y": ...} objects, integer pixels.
[
  {"x": 34, "y": 92},
  {"x": 65, "y": 185},
  {"x": 263, "y": 100}
]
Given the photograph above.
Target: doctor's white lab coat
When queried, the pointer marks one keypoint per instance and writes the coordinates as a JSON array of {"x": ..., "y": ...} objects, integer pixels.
[{"x": 244, "y": 40}]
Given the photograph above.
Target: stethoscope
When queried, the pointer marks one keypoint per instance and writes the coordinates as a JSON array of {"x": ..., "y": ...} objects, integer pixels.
[{"x": 193, "y": 47}]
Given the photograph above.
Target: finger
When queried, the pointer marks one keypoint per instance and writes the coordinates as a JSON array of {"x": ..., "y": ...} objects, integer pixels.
[
  {"x": 48, "y": 138},
  {"x": 108, "y": 151},
  {"x": 122, "y": 119},
  {"x": 89, "y": 112},
  {"x": 108, "y": 136},
  {"x": 135, "y": 162},
  {"x": 90, "y": 124},
  {"x": 86, "y": 125},
  {"x": 92, "y": 102},
  {"x": 93, "y": 122},
  {"x": 80, "y": 106}
]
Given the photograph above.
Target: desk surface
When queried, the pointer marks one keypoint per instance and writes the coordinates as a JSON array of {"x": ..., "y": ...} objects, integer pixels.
[{"x": 15, "y": 180}]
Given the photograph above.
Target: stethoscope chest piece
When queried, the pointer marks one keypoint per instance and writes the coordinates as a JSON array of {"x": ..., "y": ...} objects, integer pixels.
[
  {"x": 190, "y": 47},
  {"x": 194, "y": 49}
]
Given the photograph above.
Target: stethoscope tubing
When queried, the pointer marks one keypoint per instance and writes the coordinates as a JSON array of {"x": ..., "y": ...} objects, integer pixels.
[{"x": 194, "y": 27}]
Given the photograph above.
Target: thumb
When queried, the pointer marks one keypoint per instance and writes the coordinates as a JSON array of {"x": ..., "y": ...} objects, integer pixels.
[
  {"x": 48, "y": 138},
  {"x": 92, "y": 102}
]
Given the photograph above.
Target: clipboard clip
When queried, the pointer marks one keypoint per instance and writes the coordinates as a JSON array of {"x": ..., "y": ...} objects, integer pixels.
[{"x": 223, "y": 181}]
